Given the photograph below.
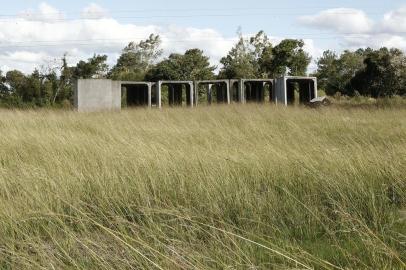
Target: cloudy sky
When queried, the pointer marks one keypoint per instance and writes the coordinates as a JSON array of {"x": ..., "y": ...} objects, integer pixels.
[{"x": 35, "y": 34}]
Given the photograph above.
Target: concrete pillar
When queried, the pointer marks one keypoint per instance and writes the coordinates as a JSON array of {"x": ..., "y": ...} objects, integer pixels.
[
  {"x": 316, "y": 90},
  {"x": 196, "y": 97},
  {"x": 191, "y": 89},
  {"x": 241, "y": 91},
  {"x": 150, "y": 95},
  {"x": 280, "y": 91},
  {"x": 159, "y": 95},
  {"x": 228, "y": 92}
]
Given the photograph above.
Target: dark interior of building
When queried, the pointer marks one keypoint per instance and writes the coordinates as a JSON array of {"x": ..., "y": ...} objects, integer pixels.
[
  {"x": 134, "y": 95},
  {"x": 234, "y": 92},
  {"x": 217, "y": 93},
  {"x": 175, "y": 94},
  {"x": 255, "y": 91},
  {"x": 304, "y": 87}
]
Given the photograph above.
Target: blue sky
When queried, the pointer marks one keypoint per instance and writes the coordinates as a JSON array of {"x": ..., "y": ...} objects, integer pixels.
[{"x": 210, "y": 25}]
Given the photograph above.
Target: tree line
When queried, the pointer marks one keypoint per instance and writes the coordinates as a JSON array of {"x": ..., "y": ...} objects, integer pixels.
[{"x": 368, "y": 72}]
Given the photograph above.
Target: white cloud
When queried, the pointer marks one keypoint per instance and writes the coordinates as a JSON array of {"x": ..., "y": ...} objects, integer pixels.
[
  {"x": 37, "y": 37},
  {"x": 41, "y": 37},
  {"x": 45, "y": 13},
  {"x": 343, "y": 20},
  {"x": 394, "y": 21},
  {"x": 356, "y": 29},
  {"x": 94, "y": 11}
]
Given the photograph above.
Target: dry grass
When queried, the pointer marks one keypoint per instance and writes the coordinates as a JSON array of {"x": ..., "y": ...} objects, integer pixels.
[{"x": 227, "y": 187}]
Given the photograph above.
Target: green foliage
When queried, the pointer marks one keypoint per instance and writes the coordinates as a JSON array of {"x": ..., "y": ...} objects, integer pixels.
[
  {"x": 193, "y": 65},
  {"x": 64, "y": 90},
  {"x": 289, "y": 58},
  {"x": 257, "y": 58},
  {"x": 373, "y": 73},
  {"x": 95, "y": 67},
  {"x": 383, "y": 74},
  {"x": 34, "y": 89},
  {"x": 240, "y": 61},
  {"x": 136, "y": 59},
  {"x": 3, "y": 87}
]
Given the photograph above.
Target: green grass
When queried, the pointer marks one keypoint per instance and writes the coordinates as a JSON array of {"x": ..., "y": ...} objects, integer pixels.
[{"x": 237, "y": 187}]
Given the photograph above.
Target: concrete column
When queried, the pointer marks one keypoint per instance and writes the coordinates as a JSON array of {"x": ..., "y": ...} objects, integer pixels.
[
  {"x": 241, "y": 87},
  {"x": 280, "y": 92},
  {"x": 316, "y": 90},
  {"x": 159, "y": 95},
  {"x": 196, "y": 86},
  {"x": 228, "y": 92},
  {"x": 191, "y": 92},
  {"x": 285, "y": 91},
  {"x": 150, "y": 95}
]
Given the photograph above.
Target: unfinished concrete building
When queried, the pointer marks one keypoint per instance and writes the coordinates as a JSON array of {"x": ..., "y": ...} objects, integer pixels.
[
  {"x": 214, "y": 91},
  {"x": 252, "y": 90},
  {"x": 287, "y": 87},
  {"x": 256, "y": 89},
  {"x": 101, "y": 94},
  {"x": 136, "y": 94},
  {"x": 175, "y": 90}
]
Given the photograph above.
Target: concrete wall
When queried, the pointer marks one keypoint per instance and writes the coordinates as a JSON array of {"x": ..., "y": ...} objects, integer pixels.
[{"x": 96, "y": 95}]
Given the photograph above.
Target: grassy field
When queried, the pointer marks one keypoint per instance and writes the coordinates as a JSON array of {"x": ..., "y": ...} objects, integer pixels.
[{"x": 238, "y": 187}]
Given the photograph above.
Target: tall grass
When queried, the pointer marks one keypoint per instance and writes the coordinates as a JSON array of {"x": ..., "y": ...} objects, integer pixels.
[{"x": 244, "y": 187}]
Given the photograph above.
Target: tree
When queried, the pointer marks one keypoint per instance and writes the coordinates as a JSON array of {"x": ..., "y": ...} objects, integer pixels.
[
  {"x": 193, "y": 65},
  {"x": 95, "y": 67},
  {"x": 137, "y": 59},
  {"x": 15, "y": 80},
  {"x": 64, "y": 85},
  {"x": 335, "y": 73},
  {"x": 263, "y": 53},
  {"x": 326, "y": 69},
  {"x": 240, "y": 61},
  {"x": 289, "y": 58},
  {"x": 3, "y": 87},
  {"x": 382, "y": 75},
  {"x": 257, "y": 58}
]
